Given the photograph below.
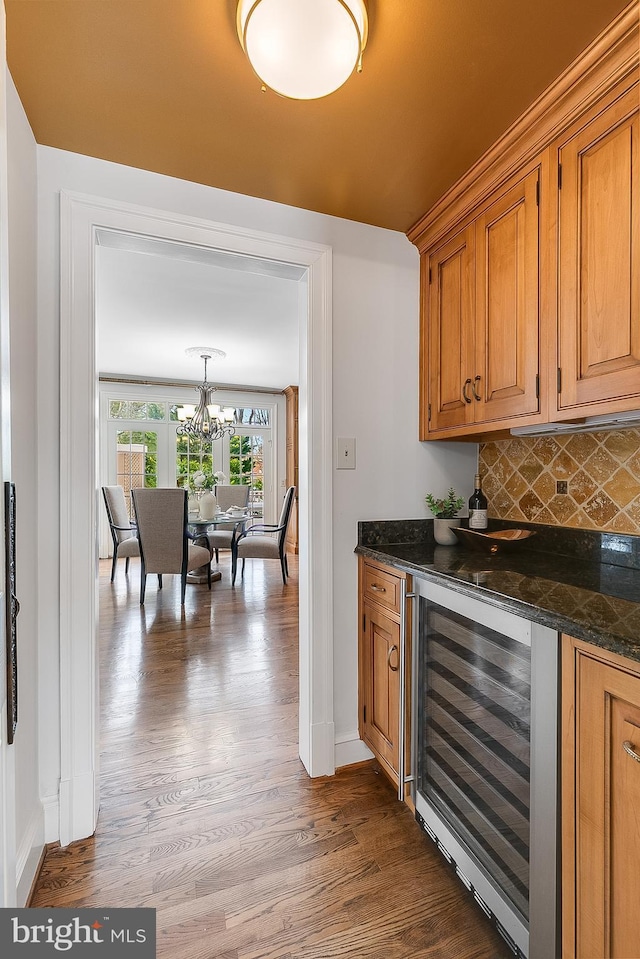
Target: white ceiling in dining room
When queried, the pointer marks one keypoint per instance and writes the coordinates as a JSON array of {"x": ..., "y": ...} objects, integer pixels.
[{"x": 155, "y": 299}]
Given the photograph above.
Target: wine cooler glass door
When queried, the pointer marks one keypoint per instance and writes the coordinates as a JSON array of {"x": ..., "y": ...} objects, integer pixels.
[{"x": 486, "y": 753}]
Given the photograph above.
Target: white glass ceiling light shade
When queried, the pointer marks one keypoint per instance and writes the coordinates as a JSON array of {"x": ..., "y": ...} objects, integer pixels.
[{"x": 303, "y": 49}]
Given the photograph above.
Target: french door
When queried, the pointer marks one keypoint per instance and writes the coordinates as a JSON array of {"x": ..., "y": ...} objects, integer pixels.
[{"x": 150, "y": 454}]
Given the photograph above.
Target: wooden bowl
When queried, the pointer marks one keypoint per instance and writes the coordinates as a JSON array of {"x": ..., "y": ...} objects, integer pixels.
[{"x": 499, "y": 541}]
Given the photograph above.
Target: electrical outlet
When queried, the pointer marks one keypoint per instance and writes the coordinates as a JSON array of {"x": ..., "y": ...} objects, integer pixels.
[{"x": 562, "y": 486}]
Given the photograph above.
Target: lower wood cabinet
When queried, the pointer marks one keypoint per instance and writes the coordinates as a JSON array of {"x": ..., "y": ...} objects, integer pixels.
[
  {"x": 385, "y": 637},
  {"x": 600, "y": 804}
]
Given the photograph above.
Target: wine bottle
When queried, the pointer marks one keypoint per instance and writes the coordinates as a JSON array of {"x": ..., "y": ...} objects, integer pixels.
[{"x": 478, "y": 506}]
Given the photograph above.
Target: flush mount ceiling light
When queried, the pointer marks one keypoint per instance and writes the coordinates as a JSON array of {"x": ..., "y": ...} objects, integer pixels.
[
  {"x": 303, "y": 49},
  {"x": 206, "y": 421}
]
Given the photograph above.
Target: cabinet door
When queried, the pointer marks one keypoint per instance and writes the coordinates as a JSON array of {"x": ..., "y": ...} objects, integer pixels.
[
  {"x": 607, "y": 817},
  {"x": 450, "y": 277},
  {"x": 382, "y": 685},
  {"x": 507, "y": 314},
  {"x": 599, "y": 237}
]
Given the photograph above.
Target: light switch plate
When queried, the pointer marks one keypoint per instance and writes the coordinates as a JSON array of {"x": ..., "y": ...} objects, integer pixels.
[{"x": 345, "y": 453}]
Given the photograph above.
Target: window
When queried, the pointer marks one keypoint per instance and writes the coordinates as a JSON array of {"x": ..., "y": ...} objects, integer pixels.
[
  {"x": 192, "y": 455},
  {"x": 136, "y": 461},
  {"x": 249, "y": 416},
  {"x": 246, "y": 466},
  {"x": 130, "y": 410}
]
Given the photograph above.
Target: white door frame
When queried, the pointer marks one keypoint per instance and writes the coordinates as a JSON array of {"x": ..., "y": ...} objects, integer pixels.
[
  {"x": 8, "y": 853},
  {"x": 80, "y": 219}
]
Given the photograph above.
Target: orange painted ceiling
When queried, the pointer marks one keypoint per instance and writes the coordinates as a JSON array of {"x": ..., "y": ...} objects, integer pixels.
[{"x": 164, "y": 85}]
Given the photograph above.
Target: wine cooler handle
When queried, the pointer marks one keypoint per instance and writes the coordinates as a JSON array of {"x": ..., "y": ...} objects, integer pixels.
[{"x": 402, "y": 698}]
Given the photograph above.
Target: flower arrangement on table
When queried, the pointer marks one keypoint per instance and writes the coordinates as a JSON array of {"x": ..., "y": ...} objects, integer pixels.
[
  {"x": 447, "y": 507},
  {"x": 201, "y": 481}
]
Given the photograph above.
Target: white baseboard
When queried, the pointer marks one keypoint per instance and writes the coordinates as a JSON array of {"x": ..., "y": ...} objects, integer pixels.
[
  {"x": 28, "y": 855},
  {"x": 350, "y": 749},
  {"x": 51, "y": 811}
]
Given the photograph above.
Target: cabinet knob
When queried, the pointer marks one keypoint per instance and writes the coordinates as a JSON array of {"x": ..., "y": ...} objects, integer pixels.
[
  {"x": 630, "y": 751},
  {"x": 394, "y": 669},
  {"x": 467, "y": 383}
]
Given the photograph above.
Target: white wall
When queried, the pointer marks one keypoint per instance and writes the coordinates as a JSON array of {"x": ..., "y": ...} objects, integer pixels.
[
  {"x": 375, "y": 376},
  {"x": 22, "y": 210}
]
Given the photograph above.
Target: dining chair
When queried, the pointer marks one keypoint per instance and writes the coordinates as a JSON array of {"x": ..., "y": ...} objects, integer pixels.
[
  {"x": 124, "y": 534},
  {"x": 227, "y": 496},
  {"x": 165, "y": 545},
  {"x": 264, "y": 541}
]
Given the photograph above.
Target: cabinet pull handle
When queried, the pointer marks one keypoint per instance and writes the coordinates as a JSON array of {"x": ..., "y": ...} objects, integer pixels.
[
  {"x": 394, "y": 669},
  {"x": 378, "y": 589},
  {"x": 630, "y": 751},
  {"x": 467, "y": 383},
  {"x": 476, "y": 395}
]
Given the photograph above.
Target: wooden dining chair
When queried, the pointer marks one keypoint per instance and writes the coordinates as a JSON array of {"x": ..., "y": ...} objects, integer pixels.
[
  {"x": 165, "y": 546},
  {"x": 123, "y": 532},
  {"x": 264, "y": 541}
]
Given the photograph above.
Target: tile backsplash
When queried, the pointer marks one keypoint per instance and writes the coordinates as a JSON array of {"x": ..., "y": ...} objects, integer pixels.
[{"x": 601, "y": 472}]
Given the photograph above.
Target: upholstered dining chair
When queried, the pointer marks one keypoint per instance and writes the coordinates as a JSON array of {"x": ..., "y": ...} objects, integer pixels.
[
  {"x": 227, "y": 496},
  {"x": 123, "y": 533},
  {"x": 165, "y": 547},
  {"x": 264, "y": 541}
]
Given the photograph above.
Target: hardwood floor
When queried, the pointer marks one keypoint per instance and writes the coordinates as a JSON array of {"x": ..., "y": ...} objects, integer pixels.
[{"x": 208, "y": 815}]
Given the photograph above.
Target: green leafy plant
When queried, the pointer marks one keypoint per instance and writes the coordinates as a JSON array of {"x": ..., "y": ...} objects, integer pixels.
[{"x": 445, "y": 508}]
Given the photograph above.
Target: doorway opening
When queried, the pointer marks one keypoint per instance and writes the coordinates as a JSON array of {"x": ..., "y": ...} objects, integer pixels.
[{"x": 83, "y": 220}]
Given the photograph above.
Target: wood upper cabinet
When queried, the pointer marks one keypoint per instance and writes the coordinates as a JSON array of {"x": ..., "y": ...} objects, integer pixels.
[
  {"x": 507, "y": 304},
  {"x": 530, "y": 263},
  {"x": 599, "y": 257},
  {"x": 451, "y": 298},
  {"x": 601, "y": 804},
  {"x": 380, "y": 648},
  {"x": 483, "y": 315}
]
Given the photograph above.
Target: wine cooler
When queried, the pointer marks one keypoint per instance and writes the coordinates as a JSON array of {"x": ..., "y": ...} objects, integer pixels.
[{"x": 486, "y": 788}]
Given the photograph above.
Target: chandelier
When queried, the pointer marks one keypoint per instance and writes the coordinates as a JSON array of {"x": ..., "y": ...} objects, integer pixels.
[
  {"x": 303, "y": 49},
  {"x": 206, "y": 421}
]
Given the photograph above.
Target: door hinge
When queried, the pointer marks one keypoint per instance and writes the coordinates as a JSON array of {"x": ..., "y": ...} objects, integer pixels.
[
  {"x": 537, "y": 386},
  {"x": 559, "y": 380},
  {"x": 537, "y": 192},
  {"x": 429, "y": 416},
  {"x": 429, "y": 274},
  {"x": 364, "y": 714},
  {"x": 559, "y": 176},
  {"x": 364, "y": 622}
]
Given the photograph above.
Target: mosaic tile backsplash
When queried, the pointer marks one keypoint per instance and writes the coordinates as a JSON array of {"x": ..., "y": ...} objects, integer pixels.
[{"x": 601, "y": 472}]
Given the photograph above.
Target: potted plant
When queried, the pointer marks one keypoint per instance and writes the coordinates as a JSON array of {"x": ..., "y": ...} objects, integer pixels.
[{"x": 445, "y": 511}]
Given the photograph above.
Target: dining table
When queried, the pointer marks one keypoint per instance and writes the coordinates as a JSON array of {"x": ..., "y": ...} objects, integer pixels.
[{"x": 198, "y": 527}]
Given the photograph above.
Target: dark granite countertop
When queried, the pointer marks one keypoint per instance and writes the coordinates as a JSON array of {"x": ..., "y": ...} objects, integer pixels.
[{"x": 577, "y": 582}]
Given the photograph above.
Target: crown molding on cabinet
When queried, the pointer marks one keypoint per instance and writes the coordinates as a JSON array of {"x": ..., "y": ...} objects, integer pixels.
[{"x": 612, "y": 57}]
